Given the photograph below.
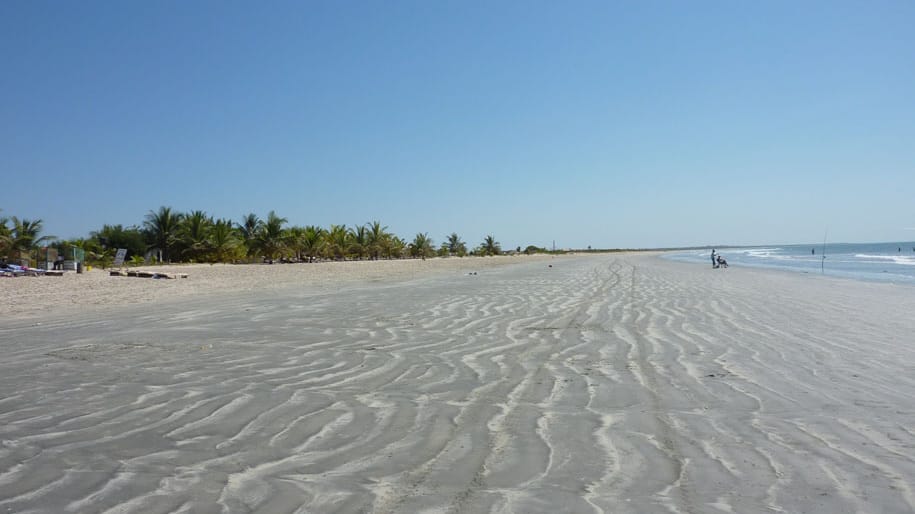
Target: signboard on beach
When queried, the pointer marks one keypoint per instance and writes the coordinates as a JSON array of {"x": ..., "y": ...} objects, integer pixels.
[{"x": 119, "y": 257}]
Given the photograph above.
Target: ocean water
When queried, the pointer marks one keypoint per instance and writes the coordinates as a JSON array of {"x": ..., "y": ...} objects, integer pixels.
[{"x": 885, "y": 262}]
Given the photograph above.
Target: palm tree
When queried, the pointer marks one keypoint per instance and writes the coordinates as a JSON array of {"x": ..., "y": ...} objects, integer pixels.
[
  {"x": 296, "y": 240},
  {"x": 194, "y": 234},
  {"x": 162, "y": 230},
  {"x": 421, "y": 246},
  {"x": 224, "y": 245},
  {"x": 336, "y": 242},
  {"x": 6, "y": 236},
  {"x": 377, "y": 239},
  {"x": 312, "y": 240},
  {"x": 270, "y": 238},
  {"x": 24, "y": 238},
  {"x": 455, "y": 245},
  {"x": 393, "y": 247},
  {"x": 247, "y": 230},
  {"x": 359, "y": 242},
  {"x": 490, "y": 246}
]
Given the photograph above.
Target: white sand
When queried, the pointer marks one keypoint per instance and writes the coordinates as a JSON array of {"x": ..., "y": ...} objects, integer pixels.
[
  {"x": 616, "y": 383},
  {"x": 33, "y": 297}
]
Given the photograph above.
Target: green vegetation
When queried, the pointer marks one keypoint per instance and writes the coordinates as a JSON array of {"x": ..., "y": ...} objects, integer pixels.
[
  {"x": 166, "y": 235},
  {"x": 530, "y": 250},
  {"x": 490, "y": 246},
  {"x": 20, "y": 238},
  {"x": 162, "y": 231},
  {"x": 454, "y": 246},
  {"x": 421, "y": 246}
]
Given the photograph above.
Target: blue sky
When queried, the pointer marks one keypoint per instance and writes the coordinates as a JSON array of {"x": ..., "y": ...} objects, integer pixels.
[{"x": 611, "y": 124}]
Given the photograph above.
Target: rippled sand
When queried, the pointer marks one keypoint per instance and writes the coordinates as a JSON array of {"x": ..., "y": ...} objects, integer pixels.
[{"x": 618, "y": 383}]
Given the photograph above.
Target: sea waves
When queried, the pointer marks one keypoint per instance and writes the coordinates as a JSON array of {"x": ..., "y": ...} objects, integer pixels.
[{"x": 865, "y": 261}]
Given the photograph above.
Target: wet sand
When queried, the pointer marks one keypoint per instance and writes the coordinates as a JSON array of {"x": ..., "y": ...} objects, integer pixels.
[{"x": 609, "y": 383}]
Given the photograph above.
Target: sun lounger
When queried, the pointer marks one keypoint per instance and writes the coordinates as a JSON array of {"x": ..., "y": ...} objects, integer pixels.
[{"x": 15, "y": 270}]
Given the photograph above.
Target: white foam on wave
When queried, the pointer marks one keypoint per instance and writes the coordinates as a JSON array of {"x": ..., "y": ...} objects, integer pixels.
[
  {"x": 761, "y": 252},
  {"x": 756, "y": 253},
  {"x": 904, "y": 260},
  {"x": 773, "y": 254}
]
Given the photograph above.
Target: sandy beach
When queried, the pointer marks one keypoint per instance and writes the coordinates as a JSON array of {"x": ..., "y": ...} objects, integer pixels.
[
  {"x": 600, "y": 383},
  {"x": 72, "y": 293}
]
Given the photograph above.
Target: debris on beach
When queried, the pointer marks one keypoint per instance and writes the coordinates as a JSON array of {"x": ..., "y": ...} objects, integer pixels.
[{"x": 146, "y": 274}]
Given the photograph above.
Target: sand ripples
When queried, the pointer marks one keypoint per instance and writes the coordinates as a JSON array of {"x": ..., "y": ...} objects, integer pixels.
[{"x": 605, "y": 384}]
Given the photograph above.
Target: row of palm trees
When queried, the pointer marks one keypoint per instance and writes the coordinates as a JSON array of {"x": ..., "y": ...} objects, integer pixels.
[
  {"x": 195, "y": 236},
  {"x": 167, "y": 235}
]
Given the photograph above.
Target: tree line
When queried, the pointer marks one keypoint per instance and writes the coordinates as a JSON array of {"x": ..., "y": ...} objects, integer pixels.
[{"x": 170, "y": 236}]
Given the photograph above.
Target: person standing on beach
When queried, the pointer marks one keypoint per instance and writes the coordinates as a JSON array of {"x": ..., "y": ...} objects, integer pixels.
[{"x": 714, "y": 261}]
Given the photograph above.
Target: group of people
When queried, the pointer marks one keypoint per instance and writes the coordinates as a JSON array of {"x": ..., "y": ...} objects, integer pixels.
[{"x": 718, "y": 261}]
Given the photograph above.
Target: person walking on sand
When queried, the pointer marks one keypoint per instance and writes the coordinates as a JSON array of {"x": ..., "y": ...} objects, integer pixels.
[{"x": 714, "y": 260}]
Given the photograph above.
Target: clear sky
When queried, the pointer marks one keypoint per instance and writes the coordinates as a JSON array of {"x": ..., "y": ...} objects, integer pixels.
[{"x": 611, "y": 124}]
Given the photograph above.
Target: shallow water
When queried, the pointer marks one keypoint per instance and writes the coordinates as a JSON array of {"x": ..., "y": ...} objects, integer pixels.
[{"x": 885, "y": 262}]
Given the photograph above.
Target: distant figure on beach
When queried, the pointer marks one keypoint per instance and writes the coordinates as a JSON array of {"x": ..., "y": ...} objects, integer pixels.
[
  {"x": 813, "y": 251},
  {"x": 714, "y": 261},
  {"x": 721, "y": 262}
]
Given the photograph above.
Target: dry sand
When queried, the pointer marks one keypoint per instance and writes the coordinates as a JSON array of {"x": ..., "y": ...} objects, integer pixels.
[
  {"x": 612, "y": 383},
  {"x": 38, "y": 297}
]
